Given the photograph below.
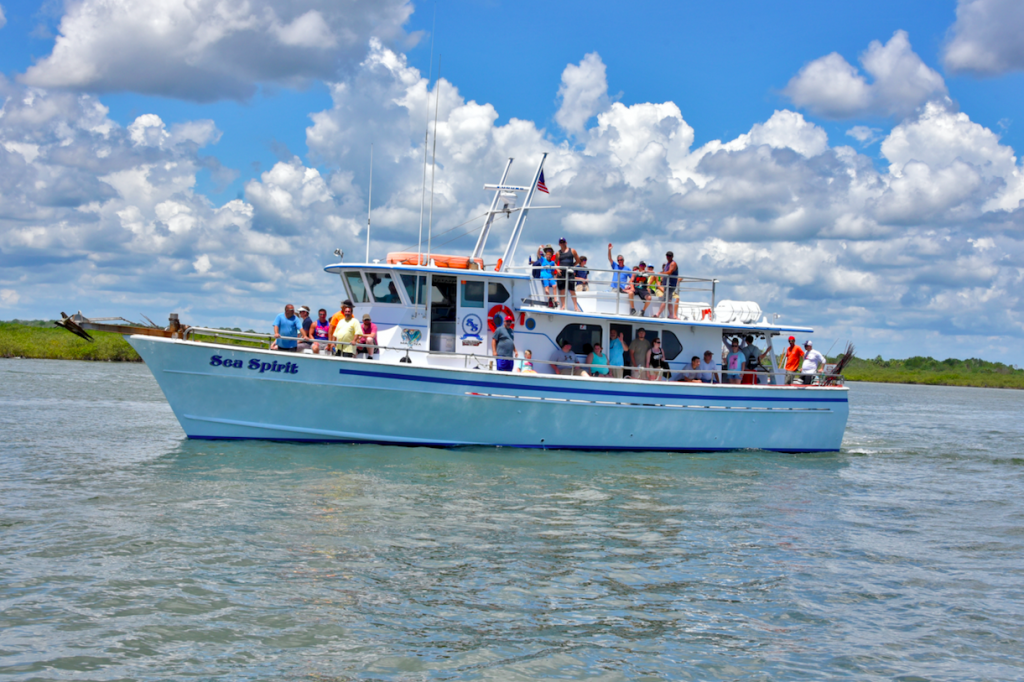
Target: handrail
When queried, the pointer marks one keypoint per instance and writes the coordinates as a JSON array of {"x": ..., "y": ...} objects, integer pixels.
[
  {"x": 630, "y": 273},
  {"x": 669, "y": 306},
  {"x": 825, "y": 379}
]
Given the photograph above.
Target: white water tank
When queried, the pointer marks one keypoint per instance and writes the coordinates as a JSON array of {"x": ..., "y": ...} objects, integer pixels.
[{"x": 737, "y": 312}]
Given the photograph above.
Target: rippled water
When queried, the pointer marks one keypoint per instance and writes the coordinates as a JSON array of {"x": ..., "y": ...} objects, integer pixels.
[{"x": 130, "y": 553}]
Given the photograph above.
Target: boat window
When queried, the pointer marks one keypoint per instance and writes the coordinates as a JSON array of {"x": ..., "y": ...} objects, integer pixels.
[
  {"x": 472, "y": 294},
  {"x": 579, "y": 335},
  {"x": 356, "y": 288},
  {"x": 670, "y": 344},
  {"x": 442, "y": 299},
  {"x": 496, "y": 293},
  {"x": 383, "y": 287},
  {"x": 414, "y": 286}
]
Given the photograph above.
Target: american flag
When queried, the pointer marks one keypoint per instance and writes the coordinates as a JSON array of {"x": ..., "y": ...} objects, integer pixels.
[{"x": 540, "y": 184}]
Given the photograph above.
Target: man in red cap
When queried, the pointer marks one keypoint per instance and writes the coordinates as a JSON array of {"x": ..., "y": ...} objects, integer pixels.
[{"x": 792, "y": 360}]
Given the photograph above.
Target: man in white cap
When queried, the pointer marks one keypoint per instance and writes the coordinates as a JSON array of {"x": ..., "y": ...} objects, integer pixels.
[
  {"x": 306, "y": 342},
  {"x": 814, "y": 362}
]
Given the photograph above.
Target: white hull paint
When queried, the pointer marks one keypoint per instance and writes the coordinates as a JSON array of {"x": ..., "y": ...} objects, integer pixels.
[{"x": 319, "y": 398}]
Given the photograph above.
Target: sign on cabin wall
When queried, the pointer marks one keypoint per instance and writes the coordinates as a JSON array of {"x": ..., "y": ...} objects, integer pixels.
[{"x": 472, "y": 330}]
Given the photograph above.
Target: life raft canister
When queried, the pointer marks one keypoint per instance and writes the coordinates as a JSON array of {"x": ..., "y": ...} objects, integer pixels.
[
  {"x": 502, "y": 310},
  {"x": 441, "y": 260}
]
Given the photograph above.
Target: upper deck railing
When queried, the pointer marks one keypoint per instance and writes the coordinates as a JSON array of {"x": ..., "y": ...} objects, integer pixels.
[{"x": 602, "y": 296}]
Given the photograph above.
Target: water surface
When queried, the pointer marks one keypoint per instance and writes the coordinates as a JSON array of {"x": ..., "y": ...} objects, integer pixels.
[{"x": 129, "y": 552}]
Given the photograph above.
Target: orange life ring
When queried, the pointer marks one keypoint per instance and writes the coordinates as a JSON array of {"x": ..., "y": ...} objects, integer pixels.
[{"x": 506, "y": 313}]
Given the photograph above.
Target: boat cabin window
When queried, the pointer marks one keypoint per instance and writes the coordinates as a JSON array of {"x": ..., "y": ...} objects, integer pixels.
[
  {"x": 442, "y": 304},
  {"x": 383, "y": 287},
  {"x": 496, "y": 293},
  {"x": 472, "y": 294},
  {"x": 356, "y": 288},
  {"x": 670, "y": 344},
  {"x": 414, "y": 286},
  {"x": 579, "y": 335}
]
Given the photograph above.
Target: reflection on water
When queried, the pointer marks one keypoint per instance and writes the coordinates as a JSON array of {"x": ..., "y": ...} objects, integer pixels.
[{"x": 129, "y": 552}]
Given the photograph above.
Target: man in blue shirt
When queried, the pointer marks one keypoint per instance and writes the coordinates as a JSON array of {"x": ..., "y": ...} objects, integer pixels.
[
  {"x": 615, "y": 353},
  {"x": 620, "y": 279},
  {"x": 287, "y": 324}
]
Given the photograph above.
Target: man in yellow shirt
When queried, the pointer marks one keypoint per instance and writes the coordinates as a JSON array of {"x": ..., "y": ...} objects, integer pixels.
[{"x": 345, "y": 332}]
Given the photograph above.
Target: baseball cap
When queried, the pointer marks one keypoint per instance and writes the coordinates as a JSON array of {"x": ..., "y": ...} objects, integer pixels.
[
  {"x": 366, "y": 317},
  {"x": 808, "y": 343},
  {"x": 792, "y": 338},
  {"x": 303, "y": 308},
  {"x": 561, "y": 240}
]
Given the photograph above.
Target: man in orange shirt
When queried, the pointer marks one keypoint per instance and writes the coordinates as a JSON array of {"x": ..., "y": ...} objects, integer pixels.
[{"x": 792, "y": 360}]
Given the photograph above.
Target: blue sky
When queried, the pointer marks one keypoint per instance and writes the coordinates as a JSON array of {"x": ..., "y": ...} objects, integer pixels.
[{"x": 853, "y": 167}]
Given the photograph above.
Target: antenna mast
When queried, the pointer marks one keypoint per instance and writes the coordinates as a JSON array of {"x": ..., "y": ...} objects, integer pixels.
[
  {"x": 369, "y": 206},
  {"x": 478, "y": 250},
  {"x": 433, "y": 158},
  {"x": 426, "y": 135}
]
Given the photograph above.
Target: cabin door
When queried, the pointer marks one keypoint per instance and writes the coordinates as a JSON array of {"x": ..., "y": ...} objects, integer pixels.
[
  {"x": 472, "y": 334},
  {"x": 443, "y": 295}
]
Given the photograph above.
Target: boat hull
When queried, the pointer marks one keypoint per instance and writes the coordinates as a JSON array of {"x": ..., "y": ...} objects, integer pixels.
[{"x": 226, "y": 392}]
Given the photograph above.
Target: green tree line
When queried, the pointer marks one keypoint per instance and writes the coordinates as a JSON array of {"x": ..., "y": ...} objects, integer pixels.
[{"x": 926, "y": 370}]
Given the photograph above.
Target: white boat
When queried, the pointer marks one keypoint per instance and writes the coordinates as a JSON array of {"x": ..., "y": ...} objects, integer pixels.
[{"x": 434, "y": 382}]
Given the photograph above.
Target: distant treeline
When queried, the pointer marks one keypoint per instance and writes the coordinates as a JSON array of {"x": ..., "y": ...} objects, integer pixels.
[{"x": 925, "y": 370}]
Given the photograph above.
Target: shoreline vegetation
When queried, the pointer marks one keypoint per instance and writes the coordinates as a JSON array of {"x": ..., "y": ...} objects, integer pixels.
[{"x": 40, "y": 339}]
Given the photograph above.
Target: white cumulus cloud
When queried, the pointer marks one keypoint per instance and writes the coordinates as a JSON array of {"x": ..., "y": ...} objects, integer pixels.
[
  {"x": 583, "y": 93},
  {"x": 831, "y": 87},
  {"x": 986, "y": 38},
  {"x": 206, "y": 50}
]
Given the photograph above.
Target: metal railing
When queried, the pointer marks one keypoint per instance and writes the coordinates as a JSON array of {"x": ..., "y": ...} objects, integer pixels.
[
  {"x": 622, "y": 299},
  {"x": 266, "y": 340}
]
